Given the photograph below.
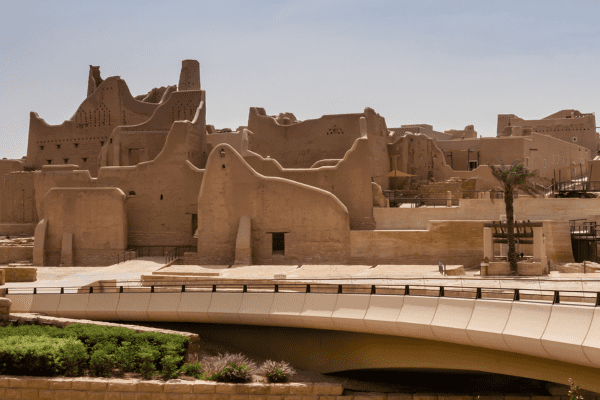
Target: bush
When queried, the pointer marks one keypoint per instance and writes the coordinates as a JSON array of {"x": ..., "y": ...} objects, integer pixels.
[
  {"x": 125, "y": 357},
  {"x": 74, "y": 358},
  {"x": 169, "y": 366},
  {"x": 277, "y": 372},
  {"x": 192, "y": 369},
  {"x": 233, "y": 373},
  {"x": 37, "y": 356},
  {"x": 146, "y": 364},
  {"x": 102, "y": 363},
  {"x": 214, "y": 364}
]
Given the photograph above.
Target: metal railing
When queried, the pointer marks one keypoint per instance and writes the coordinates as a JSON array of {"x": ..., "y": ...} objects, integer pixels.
[
  {"x": 126, "y": 256},
  {"x": 523, "y": 294}
]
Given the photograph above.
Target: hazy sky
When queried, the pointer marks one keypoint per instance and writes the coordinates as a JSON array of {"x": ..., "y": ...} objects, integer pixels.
[{"x": 444, "y": 63}]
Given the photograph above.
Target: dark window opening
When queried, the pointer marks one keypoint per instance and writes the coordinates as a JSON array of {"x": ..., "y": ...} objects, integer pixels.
[
  {"x": 131, "y": 193},
  {"x": 49, "y": 161},
  {"x": 194, "y": 223},
  {"x": 223, "y": 166},
  {"x": 278, "y": 243},
  {"x": 472, "y": 165},
  {"x": 41, "y": 147},
  {"x": 84, "y": 159},
  {"x": 76, "y": 145},
  {"x": 110, "y": 141},
  {"x": 58, "y": 146},
  {"x": 101, "y": 143},
  {"x": 161, "y": 196},
  {"x": 66, "y": 160}
]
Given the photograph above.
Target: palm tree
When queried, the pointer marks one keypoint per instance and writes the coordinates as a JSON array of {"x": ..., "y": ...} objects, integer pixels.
[{"x": 515, "y": 176}]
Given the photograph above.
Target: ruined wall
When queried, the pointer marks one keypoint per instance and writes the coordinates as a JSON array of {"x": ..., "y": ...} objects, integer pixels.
[
  {"x": 130, "y": 145},
  {"x": 417, "y": 155},
  {"x": 567, "y": 125},
  {"x": 300, "y": 144},
  {"x": 95, "y": 218},
  {"x": 17, "y": 198},
  {"x": 349, "y": 180},
  {"x": 162, "y": 194},
  {"x": 314, "y": 222},
  {"x": 80, "y": 139}
]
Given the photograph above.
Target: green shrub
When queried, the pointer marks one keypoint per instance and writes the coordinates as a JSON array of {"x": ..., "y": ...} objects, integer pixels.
[
  {"x": 74, "y": 358},
  {"x": 277, "y": 372},
  {"x": 146, "y": 363},
  {"x": 36, "y": 355},
  {"x": 233, "y": 373},
  {"x": 192, "y": 369},
  {"x": 170, "y": 368},
  {"x": 102, "y": 363}
]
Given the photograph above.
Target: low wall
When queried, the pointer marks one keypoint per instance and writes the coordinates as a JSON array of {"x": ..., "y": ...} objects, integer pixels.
[
  {"x": 4, "y": 309},
  {"x": 9, "y": 254},
  {"x": 538, "y": 209},
  {"x": 20, "y": 274},
  {"x": 452, "y": 242},
  {"x": 17, "y": 229},
  {"x": 27, "y": 388}
]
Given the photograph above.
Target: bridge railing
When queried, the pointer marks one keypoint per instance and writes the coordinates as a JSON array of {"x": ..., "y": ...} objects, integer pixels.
[{"x": 522, "y": 293}]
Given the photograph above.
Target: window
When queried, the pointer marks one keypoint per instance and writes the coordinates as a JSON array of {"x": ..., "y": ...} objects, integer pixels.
[
  {"x": 101, "y": 143},
  {"x": 472, "y": 165},
  {"x": 41, "y": 147},
  {"x": 76, "y": 145},
  {"x": 49, "y": 161},
  {"x": 66, "y": 160},
  {"x": 574, "y": 139},
  {"x": 131, "y": 193},
  {"x": 84, "y": 159},
  {"x": 278, "y": 243},
  {"x": 58, "y": 146}
]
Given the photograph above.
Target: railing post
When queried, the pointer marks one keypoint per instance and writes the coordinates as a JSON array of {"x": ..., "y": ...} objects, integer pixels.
[
  {"x": 516, "y": 297},
  {"x": 62, "y": 290},
  {"x": 91, "y": 289},
  {"x": 339, "y": 289},
  {"x": 182, "y": 288},
  {"x": 35, "y": 290},
  {"x": 214, "y": 288},
  {"x": 373, "y": 290},
  {"x": 276, "y": 288},
  {"x": 152, "y": 289},
  {"x": 120, "y": 289},
  {"x": 441, "y": 291},
  {"x": 308, "y": 288},
  {"x": 245, "y": 289},
  {"x": 478, "y": 295},
  {"x": 556, "y": 299},
  {"x": 406, "y": 290},
  {"x": 597, "y": 299}
]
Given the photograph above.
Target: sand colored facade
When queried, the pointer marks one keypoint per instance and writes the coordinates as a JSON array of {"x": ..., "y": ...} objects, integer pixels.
[
  {"x": 349, "y": 180},
  {"x": 162, "y": 194},
  {"x": 300, "y": 144},
  {"x": 567, "y": 125},
  {"x": 551, "y": 157},
  {"x": 17, "y": 200},
  {"x": 290, "y": 222},
  {"x": 65, "y": 230}
]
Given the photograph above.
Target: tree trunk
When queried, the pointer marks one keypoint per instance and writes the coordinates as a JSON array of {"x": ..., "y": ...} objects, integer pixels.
[{"x": 510, "y": 222}]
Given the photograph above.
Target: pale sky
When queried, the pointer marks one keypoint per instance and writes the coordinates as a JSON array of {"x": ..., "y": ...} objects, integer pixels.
[{"x": 444, "y": 63}]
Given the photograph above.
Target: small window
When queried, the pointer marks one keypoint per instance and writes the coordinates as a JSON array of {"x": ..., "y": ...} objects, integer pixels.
[
  {"x": 132, "y": 193},
  {"x": 58, "y": 146},
  {"x": 84, "y": 159},
  {"x": 574, "y": 139},
  {"x": 41, "y": 147},
  {"x": 472, "y": 165},
  {"x": 101, "y": 143},
  {"x": 110, "y": 141},
  {"x": 49, "y": 161},
  {"x": 76, "y": 145},
  {"x": 66, "y": 160},
  {"x": 161, "y": 196},
  {"x": 278, "y": 243}
]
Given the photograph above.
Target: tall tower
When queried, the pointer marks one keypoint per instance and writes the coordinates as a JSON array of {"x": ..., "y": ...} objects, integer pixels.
[{"x": 190, "y": 75}]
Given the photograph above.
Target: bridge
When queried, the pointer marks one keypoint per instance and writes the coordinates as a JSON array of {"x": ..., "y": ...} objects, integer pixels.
[{"x": 541, "y": 334}]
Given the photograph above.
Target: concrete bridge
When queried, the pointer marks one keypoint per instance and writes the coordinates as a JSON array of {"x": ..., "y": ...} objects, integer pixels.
[{"x": 341, "y": 327}]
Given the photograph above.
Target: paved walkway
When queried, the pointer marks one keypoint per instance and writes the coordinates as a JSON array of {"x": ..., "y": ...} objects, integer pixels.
[{"x": 367, "y": 274}]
